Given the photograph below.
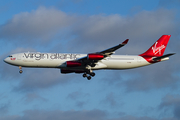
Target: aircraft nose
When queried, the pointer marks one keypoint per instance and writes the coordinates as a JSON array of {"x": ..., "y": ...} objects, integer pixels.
[{"x": 6, "y": 60}]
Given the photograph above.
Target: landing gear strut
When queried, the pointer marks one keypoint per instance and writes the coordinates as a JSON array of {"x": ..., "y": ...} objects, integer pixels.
[
  {"x": 88, "y": 71},
  {"x": 20, "y": 69}
]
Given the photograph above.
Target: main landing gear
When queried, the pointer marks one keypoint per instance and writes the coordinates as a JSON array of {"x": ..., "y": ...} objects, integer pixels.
[
  {"x": 91, "y": 74},
  {"x": 20, "y": 69}
]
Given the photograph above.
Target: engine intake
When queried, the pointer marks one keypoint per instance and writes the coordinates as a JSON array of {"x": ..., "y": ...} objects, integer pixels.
[{"x": 94, "y": 56}]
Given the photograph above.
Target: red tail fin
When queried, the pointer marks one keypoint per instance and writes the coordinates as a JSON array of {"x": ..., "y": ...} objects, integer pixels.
[{"x": 158, "y": 48}]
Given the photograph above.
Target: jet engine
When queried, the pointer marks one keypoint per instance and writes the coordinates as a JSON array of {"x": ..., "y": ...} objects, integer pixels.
[
  {"x": 94, "y": 56},
  {"x": 73, "y": 64}
]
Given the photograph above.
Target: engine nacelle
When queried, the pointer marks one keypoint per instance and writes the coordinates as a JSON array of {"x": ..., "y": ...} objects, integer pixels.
[
  {"x": 94, "y": 56},
  {"x": 72, "y": 64}
]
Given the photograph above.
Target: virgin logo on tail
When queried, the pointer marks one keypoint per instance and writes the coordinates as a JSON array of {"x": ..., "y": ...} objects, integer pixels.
[{"x": 157, "y": 50}]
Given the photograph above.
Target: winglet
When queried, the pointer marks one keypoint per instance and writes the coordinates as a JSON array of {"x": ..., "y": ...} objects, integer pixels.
[{"x": 125, "y": 42}]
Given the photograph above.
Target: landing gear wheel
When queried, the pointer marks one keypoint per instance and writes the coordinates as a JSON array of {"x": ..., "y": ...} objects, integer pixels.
[
  {"x": 20, "y": 71},
  {"x": 84, "y": 75},
  {"x": 89, "y": 77},
  {"x": 92, "y": 74}
]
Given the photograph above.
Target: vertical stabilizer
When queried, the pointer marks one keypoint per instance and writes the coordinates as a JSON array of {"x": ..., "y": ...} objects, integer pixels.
[{"x": 158, "y": 48}]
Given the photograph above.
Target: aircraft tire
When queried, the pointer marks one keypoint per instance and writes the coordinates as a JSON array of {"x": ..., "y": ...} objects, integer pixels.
[
  {"x": 20, "y": 71},
  {"x": 89, "y": 77},
  {"x": 92, "y": 74},
  {"x": 84, "y": 75}
]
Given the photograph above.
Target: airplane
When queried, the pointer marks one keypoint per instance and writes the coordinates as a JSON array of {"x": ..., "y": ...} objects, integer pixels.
[{"x": 86, "y": 63}]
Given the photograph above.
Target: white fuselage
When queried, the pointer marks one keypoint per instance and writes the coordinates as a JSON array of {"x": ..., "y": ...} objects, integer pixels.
[
  {"x": 58, "y": 60},
  {"x": 86, "y": 63}
]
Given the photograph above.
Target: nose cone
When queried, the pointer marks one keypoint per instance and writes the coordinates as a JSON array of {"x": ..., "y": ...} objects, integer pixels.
[{"x": 6, "y": 60}]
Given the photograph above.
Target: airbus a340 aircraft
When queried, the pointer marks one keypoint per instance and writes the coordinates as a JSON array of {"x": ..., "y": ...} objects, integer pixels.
[{"x": 86, "y": 63}]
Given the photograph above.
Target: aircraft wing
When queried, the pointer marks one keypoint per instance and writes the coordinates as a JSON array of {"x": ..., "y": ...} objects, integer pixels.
[{"x": 92, "y": 58}]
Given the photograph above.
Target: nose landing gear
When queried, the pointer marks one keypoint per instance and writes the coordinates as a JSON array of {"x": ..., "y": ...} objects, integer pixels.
[{"x": 20, "y": 70}]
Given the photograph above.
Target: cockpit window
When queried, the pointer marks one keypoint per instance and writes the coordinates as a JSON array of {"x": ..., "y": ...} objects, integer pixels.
[{"x": 10, "y": 56}]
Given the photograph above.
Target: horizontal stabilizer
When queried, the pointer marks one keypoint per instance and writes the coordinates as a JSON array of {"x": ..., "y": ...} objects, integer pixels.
[{"x": 161, "y": 57}]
